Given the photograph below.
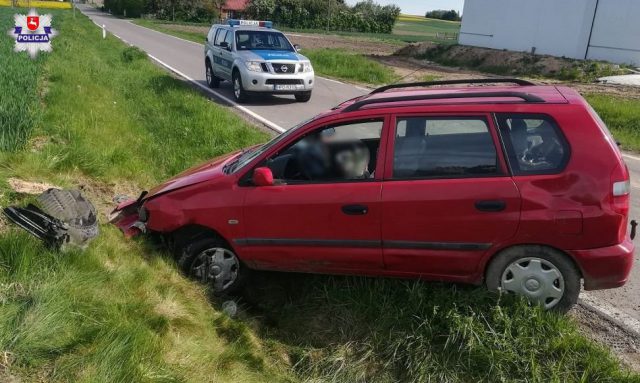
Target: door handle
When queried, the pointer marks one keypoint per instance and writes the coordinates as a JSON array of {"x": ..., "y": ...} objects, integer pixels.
[
  {"x": 355, "y": 209},
  {"x": 491, "y": 205}
]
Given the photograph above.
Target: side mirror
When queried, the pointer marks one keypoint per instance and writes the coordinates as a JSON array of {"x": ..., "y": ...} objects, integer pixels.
[
  {"x": 262, "y": 177},
  {"x": 206, "y": 39},
  {"x": 225, "y": 45},
  {"x": 297, "y": 47}
]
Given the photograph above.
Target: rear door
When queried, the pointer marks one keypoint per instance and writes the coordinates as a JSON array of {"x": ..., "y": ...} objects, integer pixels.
[
  {"x": 447, "y": 196},
  {"x": 220, "y": 64}
]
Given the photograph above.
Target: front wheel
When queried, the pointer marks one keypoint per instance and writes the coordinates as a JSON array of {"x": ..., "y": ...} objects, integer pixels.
[
  {"x": 238, "y": 89},
  {"x": 541, "y": 274},
  {"x": 303, "y": 96},
  {"x": 211, "y": 262}
]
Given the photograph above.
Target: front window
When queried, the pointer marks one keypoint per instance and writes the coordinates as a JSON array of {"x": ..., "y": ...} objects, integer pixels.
[
  {"x": 262, "y": 40},
  {"x": 443, "y": 147},
  {"x": 339, "y": 152}
]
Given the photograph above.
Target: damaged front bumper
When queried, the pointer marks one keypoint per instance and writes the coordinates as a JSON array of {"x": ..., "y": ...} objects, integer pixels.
[{"x": 126, "y": 216}]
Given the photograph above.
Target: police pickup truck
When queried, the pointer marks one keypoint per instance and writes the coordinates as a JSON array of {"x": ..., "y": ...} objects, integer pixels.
[{"x": 256, "y": 58}]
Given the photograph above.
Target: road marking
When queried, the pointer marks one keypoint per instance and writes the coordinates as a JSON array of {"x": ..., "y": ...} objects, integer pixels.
[
  {"x": 630, "y": 156},
  {"x": 256, "y": 116},
  {"x": 611, "y": 313}
]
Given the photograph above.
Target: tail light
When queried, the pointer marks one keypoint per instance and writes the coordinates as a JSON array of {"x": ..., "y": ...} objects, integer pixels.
[{"x": 620, "y": 190}]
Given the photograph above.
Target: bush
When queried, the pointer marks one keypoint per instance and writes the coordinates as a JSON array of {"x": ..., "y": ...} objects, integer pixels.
[
  {"x": 365, "y": 16},
  {"x": 132, "y": 8},
  {"x": 183, "y": 10}
]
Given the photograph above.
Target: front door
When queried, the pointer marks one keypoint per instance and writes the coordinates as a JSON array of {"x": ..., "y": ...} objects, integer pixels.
[
  {"x": 324, "y": 212},
  {"x": 447, "y": 195}
]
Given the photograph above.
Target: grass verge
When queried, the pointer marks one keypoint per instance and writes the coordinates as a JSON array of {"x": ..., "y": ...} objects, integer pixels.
[
  {"x": 120, "y": 312},
  {"x": 343, "y": 65},
  {"x": 622, "y": 116}
]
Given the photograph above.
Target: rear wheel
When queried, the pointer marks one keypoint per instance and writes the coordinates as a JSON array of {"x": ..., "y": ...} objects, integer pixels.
[
  {"x": 303, "y": 96},
  {"x": 211, "y": 262},
  {"x": 541, "y": 274},
  {"x": 238, "y": 89},
  {"x": 212, "y": 80}
]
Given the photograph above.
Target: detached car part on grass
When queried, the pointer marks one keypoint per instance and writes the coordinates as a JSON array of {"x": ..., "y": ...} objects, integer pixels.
[{"x": 64, "y": 217}]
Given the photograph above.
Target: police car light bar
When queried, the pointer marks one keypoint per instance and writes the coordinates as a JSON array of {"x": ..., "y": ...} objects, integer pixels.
[{"x": 254, "y": 23}]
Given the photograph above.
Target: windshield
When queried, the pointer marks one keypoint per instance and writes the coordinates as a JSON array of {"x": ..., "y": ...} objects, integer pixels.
[
  {"x": 249, "y": 155},
  {"x": 262, "y": 40}
]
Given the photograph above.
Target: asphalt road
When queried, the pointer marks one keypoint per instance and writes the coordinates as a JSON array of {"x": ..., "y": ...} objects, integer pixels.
[{"x": 281, "y": 113}]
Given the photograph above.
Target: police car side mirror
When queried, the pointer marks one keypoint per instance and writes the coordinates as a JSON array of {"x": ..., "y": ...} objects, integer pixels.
[
  {"x": 297, "y": 47},
  {"x": 225, "y": 45}
]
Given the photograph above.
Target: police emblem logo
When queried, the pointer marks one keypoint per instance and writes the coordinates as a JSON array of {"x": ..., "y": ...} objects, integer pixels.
[{"x": 33, "y": 33}]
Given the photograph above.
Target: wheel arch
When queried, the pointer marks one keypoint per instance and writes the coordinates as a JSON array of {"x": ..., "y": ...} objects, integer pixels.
[{"x": 194, "y": 232}]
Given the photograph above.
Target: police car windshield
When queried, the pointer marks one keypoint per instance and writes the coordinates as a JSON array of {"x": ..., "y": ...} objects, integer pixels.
[{"x": 262, "y": 40}]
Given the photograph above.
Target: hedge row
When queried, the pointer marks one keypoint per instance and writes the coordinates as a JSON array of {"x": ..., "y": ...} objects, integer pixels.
[
  {"x": 365, "y": 16},
  {"x": 183, "y": 10}
]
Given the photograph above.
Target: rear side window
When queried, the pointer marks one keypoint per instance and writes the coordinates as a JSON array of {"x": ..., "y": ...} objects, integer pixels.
[
  {"x": 443, "y": 147},
  {"x": 534, "y": 144},
  {"x": 220, "y": 36}
]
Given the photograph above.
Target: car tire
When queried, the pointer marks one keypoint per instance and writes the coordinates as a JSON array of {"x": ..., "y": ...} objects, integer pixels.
[
  {"x": 303, "y": 96},
  {"x": 539, "y": 273},
  {"x": 212, "y": 80},
  {"x": 238, "y": 89},
  {"x": 212, "y": 262}
]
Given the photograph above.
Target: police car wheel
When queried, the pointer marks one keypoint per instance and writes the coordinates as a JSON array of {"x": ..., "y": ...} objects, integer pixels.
[
  {"x": 238, "y": 90},
  {"x": 212, "y": 80},
  {"x": 303, "y": 96}
]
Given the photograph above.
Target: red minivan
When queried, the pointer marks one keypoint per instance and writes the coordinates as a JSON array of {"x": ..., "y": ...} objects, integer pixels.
[{"x": 499, "y": 181}]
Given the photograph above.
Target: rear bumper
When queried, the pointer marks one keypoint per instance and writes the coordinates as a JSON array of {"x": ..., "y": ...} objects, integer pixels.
[{"x": 605, "y": 267}]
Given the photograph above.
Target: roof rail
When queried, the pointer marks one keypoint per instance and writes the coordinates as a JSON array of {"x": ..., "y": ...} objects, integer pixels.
[
  {"x": 454, "y": 82},
  {"x": 526, "y": 97}
]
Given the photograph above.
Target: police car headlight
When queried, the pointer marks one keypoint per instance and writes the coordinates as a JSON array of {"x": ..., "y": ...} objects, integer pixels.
[
  {"x": 253, "y": 66},
  {"x": 306, "y": 67}
]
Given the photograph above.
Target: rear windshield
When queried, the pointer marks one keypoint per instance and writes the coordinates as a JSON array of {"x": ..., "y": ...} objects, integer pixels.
[{"x": 262, "y": 40}]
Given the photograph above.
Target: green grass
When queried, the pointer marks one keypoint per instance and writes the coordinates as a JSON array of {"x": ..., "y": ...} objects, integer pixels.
[
  {"x": 621, "y": 115},
  {"x": 120, "y": 311},
  {"x": 366, "y": 330},
  {"x": 348, "y": 66},
  {"x": 19, "y": 109},
  {"x": 161, "y": 26}
]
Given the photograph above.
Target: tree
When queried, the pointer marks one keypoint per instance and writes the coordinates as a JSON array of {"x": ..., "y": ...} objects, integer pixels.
[{"x": 443, "y": 14}]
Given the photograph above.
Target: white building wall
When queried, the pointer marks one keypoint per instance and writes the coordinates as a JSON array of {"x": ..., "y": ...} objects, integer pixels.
[
  {"x": 616, "y": 32},
  {"x": 555, "y": 27}
]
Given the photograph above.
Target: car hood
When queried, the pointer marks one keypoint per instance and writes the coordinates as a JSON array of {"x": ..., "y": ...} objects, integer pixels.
[{"x": 206, "y": 171}]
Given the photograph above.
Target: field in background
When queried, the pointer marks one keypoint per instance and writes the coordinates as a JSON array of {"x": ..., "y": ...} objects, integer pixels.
[{"x": 37, "y": 4}]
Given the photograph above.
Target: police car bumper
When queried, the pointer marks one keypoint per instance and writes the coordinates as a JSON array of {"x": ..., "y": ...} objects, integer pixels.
[{"x": 278, "y": 83}]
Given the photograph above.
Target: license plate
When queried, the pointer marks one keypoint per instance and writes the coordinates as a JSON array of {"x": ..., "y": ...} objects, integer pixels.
[{"x": 286, "y": 87}]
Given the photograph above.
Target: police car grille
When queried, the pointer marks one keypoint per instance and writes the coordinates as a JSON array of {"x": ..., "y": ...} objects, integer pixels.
[
  {"x": 284, "y": 81},
  {"x": 280, "y": 68}
]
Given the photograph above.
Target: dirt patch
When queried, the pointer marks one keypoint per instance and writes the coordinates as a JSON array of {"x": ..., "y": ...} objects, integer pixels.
[
  {"x": 101, "y": 194},
  {"x": 511, "y": 63},
  {"x": 623, "y": 343},
  {"x": 29, "y": 187},
  {"x": 412, "y": 69}
]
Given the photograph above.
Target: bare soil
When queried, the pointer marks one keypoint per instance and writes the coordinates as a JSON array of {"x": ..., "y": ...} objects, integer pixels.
[{"x": 623, "y": 343}]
